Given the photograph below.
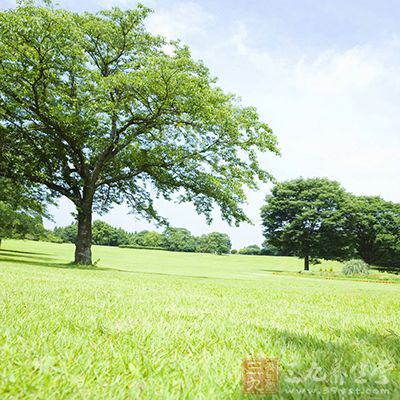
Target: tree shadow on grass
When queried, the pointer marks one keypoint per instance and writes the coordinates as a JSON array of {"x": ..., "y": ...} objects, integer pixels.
[
  {"x": 23, "y": 252},
  {"x": 273, "y": 270},
  {"x": 33, "y": 260},
  {"x": 387, "y": 341},
  {"x": 169, "y": 274},
  {"x": 43, "y": 262},
  {"x": 341, "y": 346},
  {"x": 24, "y": 255},
  {"x": 303, "y": 341}
]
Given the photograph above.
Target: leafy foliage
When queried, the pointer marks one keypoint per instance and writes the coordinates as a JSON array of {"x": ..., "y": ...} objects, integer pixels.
[
  {"x": 179, "y": 239},
  {"x": 107, "y": 235},
  {"x": 252, "y": 250},
  {"x": 308, "y": 218},
  {"x": 267, "y": 249},
  {"x": 355, "y": 267},
  {"x": 134, "y": 246},
  {"x": 214, "y": 242},
  {"x": 147, "y": 239},
  {"x": 316, "y": 218},
  {"x": 22, "y": 207},
  {"x": 19, "y": 224},
  {"x": 94, "y": 108},
  {"x": 68, "y": 233},
  {"x": 103, "y": 234},
  {"x": 172, "y": 239},
  {"x": 376, "y": 231}
]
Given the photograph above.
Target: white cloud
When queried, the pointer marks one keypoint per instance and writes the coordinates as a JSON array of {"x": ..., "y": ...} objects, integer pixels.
[
  {"x": 334, "y": 112},
  {"x": 183, "y": 19},
  {"x": 338, "y": 73}
]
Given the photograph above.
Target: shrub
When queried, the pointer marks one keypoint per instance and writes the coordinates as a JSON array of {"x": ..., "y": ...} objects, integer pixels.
[
  {"x": 52, "y": 238},
  {"x": 234, "y": 251},
  {"x": 179, "y": 239},
  {"x": 147, "y": 239},
  {"x": 252, "y": 250},
  {"x": 67, "y": 233},
  {"x": 355, "y": 267},
  {"x": 214, "y": 242}
]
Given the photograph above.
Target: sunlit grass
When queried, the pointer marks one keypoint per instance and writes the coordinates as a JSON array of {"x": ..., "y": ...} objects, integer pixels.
[{"x": 159, "y": 325}]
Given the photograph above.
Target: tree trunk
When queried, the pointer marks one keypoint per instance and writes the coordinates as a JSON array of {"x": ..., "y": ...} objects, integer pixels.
[
  {"x": 83, "y": 244},
  {"x": 0, "y": 243},
  {"x": 306, "y": 263}
]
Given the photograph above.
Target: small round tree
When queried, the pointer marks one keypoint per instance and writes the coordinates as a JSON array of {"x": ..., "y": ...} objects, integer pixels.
[
  {"x": 214, "y": 242},
  {"x": 308, "y": 218}
]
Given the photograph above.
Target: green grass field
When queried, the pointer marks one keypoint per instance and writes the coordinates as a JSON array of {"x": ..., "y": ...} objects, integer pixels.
[{"x": 159, "y": 325}]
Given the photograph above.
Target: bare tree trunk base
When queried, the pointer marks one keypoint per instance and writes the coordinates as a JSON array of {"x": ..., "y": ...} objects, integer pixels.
[
  {"x": 83, "y": 244},
  {"x": 83, "y": 256}
]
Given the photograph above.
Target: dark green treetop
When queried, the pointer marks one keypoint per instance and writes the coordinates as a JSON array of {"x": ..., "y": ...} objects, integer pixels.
[
  {"x": 308, "y": 218},
  {"x": 376, "y": 231}
]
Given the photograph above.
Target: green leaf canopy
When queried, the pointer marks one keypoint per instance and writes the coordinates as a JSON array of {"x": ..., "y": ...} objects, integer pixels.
[{"x": 99, "y": 110}]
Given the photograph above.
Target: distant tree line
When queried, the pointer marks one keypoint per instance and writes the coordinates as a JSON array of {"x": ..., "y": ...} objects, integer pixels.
[
  {"x": 316, "y": 218},
  {"x": 173, "y": 239},
  {"x": 266, "y": 249}
]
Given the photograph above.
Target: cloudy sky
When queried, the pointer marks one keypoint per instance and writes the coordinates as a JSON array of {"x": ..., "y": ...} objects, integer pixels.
[{"x": 324, "y": 74}]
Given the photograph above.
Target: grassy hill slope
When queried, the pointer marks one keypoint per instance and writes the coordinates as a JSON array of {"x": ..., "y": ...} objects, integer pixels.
[{"x": 160, "y": 325}]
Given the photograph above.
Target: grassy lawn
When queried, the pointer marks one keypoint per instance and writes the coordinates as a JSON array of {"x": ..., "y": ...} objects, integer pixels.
[{"x": 159, "y": 325}]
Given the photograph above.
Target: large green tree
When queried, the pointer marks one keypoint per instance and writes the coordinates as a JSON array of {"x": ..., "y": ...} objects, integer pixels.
[
  {"x": 100, "y": 111},
  {"x": 309, "y": 218},
  {"x": 376, "y": 231}
]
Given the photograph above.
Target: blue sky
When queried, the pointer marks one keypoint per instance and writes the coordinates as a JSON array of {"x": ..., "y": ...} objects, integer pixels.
[{"x": 323, "y": 74}]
